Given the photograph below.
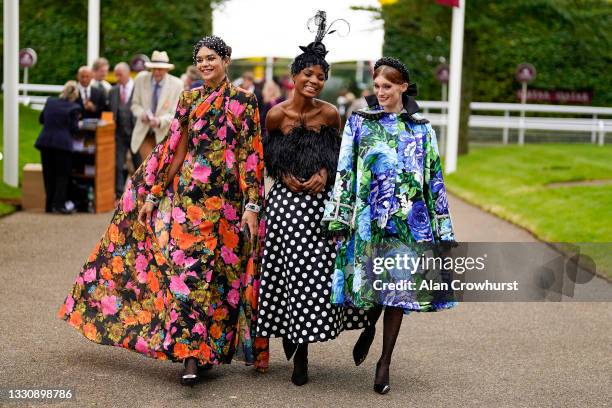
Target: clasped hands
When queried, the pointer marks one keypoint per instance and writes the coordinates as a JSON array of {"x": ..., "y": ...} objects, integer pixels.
[
  {"x": 314, "y": 185},
  {"x": 152, "y": 120},
  {"x": 88, "y": 105}
]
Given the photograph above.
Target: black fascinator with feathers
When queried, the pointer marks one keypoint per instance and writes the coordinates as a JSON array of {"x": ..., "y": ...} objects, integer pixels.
[{"x": 315, "y": 52}]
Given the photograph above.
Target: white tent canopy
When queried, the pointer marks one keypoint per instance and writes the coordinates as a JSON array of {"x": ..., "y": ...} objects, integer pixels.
[{"x": 275, "y": 28}]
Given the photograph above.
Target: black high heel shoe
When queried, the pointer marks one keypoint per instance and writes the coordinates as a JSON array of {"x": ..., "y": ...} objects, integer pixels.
[
  {"x": 188, "y": 378},
  {"x": 362, "y": 347},
  {"x": 300, "y": 366},
  {"x": 384, "y": 387}
]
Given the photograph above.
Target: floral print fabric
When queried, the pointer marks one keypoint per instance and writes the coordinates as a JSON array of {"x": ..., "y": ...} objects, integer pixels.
[
  {"x": 186, "y": 285},
  {"x": 389, "y": 198}
]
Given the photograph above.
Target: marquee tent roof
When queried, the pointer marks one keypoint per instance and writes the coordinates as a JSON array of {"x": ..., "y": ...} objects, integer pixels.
[{"x": 275, "y": 28}]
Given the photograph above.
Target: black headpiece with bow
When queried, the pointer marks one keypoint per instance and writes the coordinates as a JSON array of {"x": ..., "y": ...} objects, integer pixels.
[{"x": 315, "y": 52}]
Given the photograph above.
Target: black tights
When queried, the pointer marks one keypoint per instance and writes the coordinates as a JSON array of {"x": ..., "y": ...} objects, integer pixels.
[{"x": 392, "y": 321}]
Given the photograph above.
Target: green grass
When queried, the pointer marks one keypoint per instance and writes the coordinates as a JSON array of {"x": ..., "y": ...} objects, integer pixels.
[
  {"x": 29, "y": 129},
  {"x": 511, "y": 182}
]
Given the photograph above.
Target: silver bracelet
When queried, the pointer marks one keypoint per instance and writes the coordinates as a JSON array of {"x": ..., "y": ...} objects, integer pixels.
[
  {"x": 252, "y": 207},
  {"x": 152, "y": 199}
]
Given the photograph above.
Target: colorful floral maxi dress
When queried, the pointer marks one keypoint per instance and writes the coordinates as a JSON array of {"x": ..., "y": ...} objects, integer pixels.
[
  {"x": 186, "y": 285},
  {"x": 389, "y": 199}
]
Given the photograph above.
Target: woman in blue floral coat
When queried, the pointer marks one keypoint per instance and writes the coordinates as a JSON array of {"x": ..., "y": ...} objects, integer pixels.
[{"x": 388, "y": 202}]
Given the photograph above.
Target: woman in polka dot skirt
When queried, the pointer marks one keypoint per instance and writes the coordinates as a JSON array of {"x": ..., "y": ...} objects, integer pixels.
[{"x": 300, "y": 153}]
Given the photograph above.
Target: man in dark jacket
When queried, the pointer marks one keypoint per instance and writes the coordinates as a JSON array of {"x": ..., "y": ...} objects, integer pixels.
[
  {"x": 120, "y": 100},
  {"x": 91, "y": 99},
  {"x": 60, "y": 119}
]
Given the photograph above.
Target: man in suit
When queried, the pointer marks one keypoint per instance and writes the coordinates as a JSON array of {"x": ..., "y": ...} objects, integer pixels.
[
  {"x": 156, "y": 94},
  {"x": 120, "y": 100},
  {"x": 99, "y": 70},
  {"x": 91, "y": 99}
]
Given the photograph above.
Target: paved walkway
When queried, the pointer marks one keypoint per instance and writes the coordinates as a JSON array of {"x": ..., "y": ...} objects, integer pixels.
[{"x": 476, "y": 355}]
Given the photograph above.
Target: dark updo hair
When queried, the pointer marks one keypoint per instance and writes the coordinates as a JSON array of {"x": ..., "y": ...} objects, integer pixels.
[
  {"x": 314, "y": 53},
  {"x": 214, "y": 43}
]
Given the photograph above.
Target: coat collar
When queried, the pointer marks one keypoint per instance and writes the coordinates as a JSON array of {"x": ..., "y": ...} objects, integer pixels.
[{"x": 375, "y": 111}]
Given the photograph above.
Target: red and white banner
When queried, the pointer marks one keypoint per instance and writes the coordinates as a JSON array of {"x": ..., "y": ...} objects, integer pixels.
[{"x": 449, "y": 3}]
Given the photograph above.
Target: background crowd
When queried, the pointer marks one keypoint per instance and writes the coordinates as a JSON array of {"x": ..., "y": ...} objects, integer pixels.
[{"x": 142, "y": 105}]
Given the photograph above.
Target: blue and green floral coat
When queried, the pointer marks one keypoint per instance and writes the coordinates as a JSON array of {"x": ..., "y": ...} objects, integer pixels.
[{"x": 389, "y": 195}]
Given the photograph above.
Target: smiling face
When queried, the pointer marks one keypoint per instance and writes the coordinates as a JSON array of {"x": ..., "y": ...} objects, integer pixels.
[
  {"x": 211, "y": 65},
  {"x": 84, "y": 76},
  {"x": 389, "y": 87},
  {"x": 309, "y": 82},
  {"x": 159, "y": 74}
]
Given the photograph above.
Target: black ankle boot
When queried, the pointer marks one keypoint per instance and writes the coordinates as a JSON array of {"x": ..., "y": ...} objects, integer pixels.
[{"x": 300, "y": 365}]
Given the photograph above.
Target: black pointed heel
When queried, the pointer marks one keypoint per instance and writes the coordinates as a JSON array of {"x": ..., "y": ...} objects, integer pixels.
[
  {"x": 381, "y": 388},
  {"x": 362, "y": 347}
]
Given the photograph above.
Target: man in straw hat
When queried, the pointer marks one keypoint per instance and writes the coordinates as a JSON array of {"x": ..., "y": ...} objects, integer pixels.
[{"x": 156, "y": 94}]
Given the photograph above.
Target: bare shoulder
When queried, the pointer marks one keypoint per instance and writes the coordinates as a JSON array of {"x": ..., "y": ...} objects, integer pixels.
[
  {"x": 275, "y": 116},
  {"x": 330, "y": 114}
]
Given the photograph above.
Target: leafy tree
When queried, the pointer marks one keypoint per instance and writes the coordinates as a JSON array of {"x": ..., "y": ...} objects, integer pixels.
[
  {"x": 57, "y": 30},
  {"x": 568, "y": 41}
]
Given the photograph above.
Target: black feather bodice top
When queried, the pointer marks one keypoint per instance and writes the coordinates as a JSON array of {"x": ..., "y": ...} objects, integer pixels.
[{"x": 302, "y": 152}]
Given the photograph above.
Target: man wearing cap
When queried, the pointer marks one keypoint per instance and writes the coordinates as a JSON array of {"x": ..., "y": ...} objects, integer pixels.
[{"x": 156, "y": 94}]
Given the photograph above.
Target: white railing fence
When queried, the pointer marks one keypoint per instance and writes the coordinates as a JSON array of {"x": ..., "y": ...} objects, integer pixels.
[{"x": 513, "y": 116}]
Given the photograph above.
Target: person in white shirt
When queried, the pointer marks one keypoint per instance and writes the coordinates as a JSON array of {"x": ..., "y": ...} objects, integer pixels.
[
  {"x": 120, "y": 101},
  {"x": 100, "y": 68},
  {"x": 91, "y": 99}
]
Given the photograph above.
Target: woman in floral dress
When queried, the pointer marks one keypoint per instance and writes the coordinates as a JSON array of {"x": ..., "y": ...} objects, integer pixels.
[
  {"x": 171, "y": 278},
  {"x": 388, "y": 199}
]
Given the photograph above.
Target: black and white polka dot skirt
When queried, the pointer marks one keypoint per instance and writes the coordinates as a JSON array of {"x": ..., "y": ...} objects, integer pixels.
[{"x": 297, "y": 270}]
